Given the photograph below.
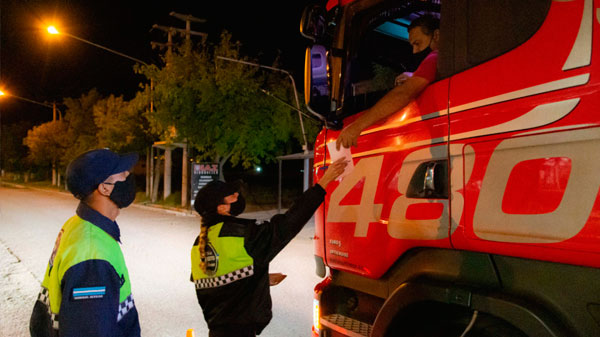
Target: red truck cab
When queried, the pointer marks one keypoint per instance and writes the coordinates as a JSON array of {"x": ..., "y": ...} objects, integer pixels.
[{"x": 476, "y": 207}]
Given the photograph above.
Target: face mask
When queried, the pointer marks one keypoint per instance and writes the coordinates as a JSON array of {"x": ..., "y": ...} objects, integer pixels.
[
  {"x": 420, "y": 56},
  {"x": 124, "y": 192},
  {"x": 238, "y": 207}
]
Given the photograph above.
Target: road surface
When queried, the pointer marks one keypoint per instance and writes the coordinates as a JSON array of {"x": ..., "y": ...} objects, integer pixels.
[{"x": 156, "y": 245}]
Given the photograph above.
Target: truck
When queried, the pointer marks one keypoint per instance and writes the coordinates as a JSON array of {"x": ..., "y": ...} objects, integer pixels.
[{"x": 474, "y": 210}]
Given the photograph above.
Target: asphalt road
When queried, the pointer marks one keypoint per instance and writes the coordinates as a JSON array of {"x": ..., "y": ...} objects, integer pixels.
[{"x": 156, "y": 245}]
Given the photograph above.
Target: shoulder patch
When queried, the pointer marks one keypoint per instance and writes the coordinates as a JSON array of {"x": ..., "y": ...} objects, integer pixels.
[{"x": 89, "y": 293}]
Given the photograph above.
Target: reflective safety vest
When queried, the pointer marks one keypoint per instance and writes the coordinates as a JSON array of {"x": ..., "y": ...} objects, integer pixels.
[
  {"x": 79, "y": 241},
  {"x": 226, "y": 260}
]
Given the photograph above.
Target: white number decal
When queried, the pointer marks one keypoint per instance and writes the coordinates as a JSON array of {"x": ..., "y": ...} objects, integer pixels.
[
  {"x": 367, "y": 211},
  {"x": 491, "y": 223}
]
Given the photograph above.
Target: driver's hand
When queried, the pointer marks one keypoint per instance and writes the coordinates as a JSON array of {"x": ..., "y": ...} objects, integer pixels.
[
  {"x": 400, "y": 79},
  {"x": 348, "y": 136}
]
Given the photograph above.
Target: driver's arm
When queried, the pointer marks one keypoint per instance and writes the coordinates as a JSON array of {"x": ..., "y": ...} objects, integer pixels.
[{"x": 393, "y": 101}]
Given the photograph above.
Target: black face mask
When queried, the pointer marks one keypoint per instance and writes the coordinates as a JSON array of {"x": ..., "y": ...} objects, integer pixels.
[
  {"x": 238, "y": 207},
  {"x": 418, "y": 57},
  {"x": 123, "y": 193}
]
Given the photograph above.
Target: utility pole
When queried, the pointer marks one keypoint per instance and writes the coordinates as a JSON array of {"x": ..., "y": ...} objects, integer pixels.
[{"x": 187, "y": 33}]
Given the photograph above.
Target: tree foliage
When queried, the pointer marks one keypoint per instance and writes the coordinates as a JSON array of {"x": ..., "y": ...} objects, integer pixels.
[
  {"x": 219, "y": 106},
  {"x": 47, "y": 143},
  {"x": 81, "y": 129},
  {"x": 91, "y": 122},
  {"x": 120, "y": 124},
  {"x": 12, "y": 147},
  {"x": 226, "y": 111}
]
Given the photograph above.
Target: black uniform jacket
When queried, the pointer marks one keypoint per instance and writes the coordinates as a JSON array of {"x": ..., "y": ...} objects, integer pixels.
[{"x": 247, "y": 302}]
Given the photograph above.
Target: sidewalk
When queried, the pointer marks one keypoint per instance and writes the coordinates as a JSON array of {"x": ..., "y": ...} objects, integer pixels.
[{"x": 18, "y": 286}]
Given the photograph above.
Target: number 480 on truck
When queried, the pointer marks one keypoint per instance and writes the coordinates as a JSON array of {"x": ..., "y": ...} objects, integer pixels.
[{"x": 474, "y": 210}]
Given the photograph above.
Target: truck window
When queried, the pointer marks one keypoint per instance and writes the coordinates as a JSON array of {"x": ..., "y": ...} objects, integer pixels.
[
  {"x": 381, "y": 51},
  {"x": 491, "y": 28}
]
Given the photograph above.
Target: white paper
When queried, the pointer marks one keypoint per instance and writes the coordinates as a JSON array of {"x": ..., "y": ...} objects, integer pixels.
[{"x": 343, "y": 152}]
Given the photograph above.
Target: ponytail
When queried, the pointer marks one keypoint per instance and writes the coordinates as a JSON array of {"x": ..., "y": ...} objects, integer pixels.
[{"x": 203, "y": 239}]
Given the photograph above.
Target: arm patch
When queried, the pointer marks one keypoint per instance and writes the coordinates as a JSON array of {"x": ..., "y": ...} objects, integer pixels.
[{"x": 88, "y": 293}]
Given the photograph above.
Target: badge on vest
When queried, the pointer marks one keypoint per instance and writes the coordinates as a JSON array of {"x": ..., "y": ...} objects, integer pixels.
[
  {"x": 55, "y": 249},
  {"x": 88, "y": 293},
  {"x": 212, "y": 260}
]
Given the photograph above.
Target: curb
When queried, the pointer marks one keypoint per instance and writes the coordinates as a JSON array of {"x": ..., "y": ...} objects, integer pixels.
[{"x": 176, "y": 211}]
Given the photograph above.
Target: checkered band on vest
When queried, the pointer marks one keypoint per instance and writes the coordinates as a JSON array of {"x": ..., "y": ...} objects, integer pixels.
[
  {"x": 225, "y": 279},
  {"x": 44, "y": 298},
  {"x": 125, "y": 306}
]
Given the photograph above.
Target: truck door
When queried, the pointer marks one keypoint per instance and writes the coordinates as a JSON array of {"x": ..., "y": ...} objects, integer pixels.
[
  {"x": 396, "y": 197},
  {"x": 523, "y": 123}
]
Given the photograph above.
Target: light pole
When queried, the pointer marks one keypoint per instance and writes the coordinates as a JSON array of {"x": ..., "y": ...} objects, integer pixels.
[
  {"x": 305, "y": 146},
  {"x": 53, "y": 31},
  {"x": 54, "y": 109}
]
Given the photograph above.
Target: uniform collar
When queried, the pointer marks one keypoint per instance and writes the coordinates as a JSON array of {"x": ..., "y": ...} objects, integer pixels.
[
  {"x": 214, "y": 219},
  {"x": 89, "y": 214}
]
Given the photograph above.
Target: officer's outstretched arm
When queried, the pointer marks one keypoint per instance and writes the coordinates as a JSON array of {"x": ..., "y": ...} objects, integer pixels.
[{"x": 265, "y": 241}]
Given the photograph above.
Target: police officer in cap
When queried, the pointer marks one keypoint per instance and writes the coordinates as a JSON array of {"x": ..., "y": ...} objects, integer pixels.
[
  {"x": 86, "y": 289},
  {"x": 230, "y": 258}
]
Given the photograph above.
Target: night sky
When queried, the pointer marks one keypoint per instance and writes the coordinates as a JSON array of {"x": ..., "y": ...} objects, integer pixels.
[{"x": 47, "y": 68}]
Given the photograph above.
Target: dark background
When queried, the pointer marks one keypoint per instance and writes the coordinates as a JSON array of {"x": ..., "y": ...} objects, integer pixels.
[{"x": 48, "y": 68}]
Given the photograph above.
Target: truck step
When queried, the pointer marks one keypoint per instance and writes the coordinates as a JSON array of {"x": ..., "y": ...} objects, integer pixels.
[{"x": 346, "y": 325}]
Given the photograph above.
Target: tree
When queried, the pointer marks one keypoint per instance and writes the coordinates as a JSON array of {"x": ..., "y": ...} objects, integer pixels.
[
  {"x": 81, "y": 129},
  {"x": 219, "y": 107},
  {"x": 12, "y": 148},
  {"x": 121, "y": 124},
  {"x": 47, "y": 143}
]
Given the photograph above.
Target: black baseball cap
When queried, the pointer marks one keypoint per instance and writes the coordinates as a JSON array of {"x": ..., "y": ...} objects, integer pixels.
[
  {"x": 89, "y": 169},
  {"x": 211, "y": 195}
]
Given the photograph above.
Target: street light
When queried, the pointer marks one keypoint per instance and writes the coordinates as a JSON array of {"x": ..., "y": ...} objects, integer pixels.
[
  {"x": 53, "y": 105},
  {"x": 54, "y": 109},
  {"x": 305, "y": 146},
  {"x": 53, "y": 31}
]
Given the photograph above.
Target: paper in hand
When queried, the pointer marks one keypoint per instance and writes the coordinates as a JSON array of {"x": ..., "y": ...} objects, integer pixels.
[{"x": 343, "y": 152}]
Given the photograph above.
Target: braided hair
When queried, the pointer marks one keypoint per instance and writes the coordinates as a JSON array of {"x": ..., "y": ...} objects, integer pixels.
[
  {"x": 206, "y": 202},
  {"x": 202, "y": 241}
]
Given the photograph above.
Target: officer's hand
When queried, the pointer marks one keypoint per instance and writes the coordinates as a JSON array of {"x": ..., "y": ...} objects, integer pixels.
[
  {"x": 333, "y": 171},
  {"x": 348, "y": 136}
]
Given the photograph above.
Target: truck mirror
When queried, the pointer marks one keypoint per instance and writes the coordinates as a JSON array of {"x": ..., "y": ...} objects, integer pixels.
[
  {"x": 312, "y": 24},
  {"x": 316, "y": 80}
]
